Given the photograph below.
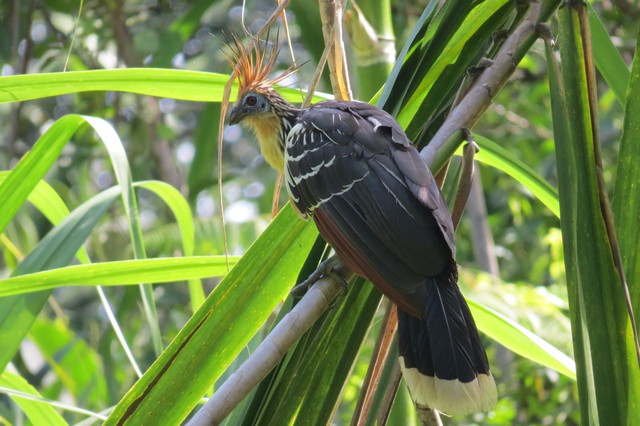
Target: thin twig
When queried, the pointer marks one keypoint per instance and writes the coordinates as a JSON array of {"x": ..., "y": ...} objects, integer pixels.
[
  {"x": 275, "y": 207},
  {"x": 275, "y": 15},
  {"x": 331, "y": 16},
  {"x": 14, "y": 393},
  {"x": 318, "y": 74},
  {"x": 226, "y": 94},
  {"x": 117, "y": 330},
  {"x": 389, "y": 396},
  {"x": 484, "y": 251},
  {"x": 73, "y": 36},
  {"x": 376, "y": 366},
  {"x": 287, "y": 35}
]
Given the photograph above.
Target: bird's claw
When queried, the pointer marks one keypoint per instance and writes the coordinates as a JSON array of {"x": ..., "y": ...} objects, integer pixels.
[{"x": 325, "y": 269}]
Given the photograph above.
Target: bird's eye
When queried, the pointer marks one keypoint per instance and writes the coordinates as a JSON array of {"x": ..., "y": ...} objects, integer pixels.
[{"x": 251, "y": 100}]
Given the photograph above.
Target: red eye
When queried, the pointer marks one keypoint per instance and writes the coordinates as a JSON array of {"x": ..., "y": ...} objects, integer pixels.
[{"x": 251, "y": 100}]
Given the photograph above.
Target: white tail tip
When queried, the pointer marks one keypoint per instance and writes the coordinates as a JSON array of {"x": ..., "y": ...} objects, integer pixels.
[{"x": 451, "y": 397}]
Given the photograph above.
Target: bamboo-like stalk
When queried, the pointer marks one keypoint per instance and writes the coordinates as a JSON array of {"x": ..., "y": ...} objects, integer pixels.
[{"x": 603, "y": 339}]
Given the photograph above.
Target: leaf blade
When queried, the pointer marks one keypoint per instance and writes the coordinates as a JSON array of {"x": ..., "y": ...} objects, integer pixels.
[
  {"x": 165, "y": 83},
  {"x": 123, "y": 272},
  {"x": 173, "y": 385}
]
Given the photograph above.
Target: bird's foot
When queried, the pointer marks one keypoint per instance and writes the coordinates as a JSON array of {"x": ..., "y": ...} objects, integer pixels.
[{"x": 326, "y": 268}]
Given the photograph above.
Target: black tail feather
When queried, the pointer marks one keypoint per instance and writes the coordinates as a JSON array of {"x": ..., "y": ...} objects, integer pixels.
[{"x": 442, "y": 356}]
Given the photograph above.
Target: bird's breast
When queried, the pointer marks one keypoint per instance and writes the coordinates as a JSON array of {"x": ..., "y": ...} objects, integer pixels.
[{"x": 268, "y": 132}]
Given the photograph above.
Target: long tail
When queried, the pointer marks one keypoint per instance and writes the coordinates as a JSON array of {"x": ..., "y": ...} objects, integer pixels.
[{"x": 442, "y": 358}]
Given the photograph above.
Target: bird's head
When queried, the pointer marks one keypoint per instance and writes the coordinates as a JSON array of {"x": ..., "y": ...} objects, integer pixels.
[
  {"x": 252, "y": 66},
  {"x": 259, "y": 107},
  {"x": 251, "y": 104}
]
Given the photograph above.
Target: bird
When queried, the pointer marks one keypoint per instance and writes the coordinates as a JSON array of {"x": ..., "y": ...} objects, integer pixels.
[{"x": 349, "y": 167}]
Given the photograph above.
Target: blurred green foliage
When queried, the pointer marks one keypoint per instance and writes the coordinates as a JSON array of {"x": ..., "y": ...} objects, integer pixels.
[{"x": 72, "y": 352}]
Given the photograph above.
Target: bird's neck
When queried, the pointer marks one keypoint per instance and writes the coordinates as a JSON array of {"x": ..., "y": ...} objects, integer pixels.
[{"x": 271, "y": 130}]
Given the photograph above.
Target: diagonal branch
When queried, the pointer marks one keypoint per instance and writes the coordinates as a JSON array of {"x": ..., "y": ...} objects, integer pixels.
[
  {"x": 271, "y": 350},
  {"x": 464, "y": 115}
]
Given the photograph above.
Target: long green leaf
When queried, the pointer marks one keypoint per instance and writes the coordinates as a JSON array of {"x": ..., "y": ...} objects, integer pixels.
[
  {"x": 520, "y": 340},
  {"x": 265, "y": 392},
  {"x": 626, "y": 203},
  {"x": 399, "y": 71},
  {"x": 221, "y": 327},
  {"x": 38, "y": 412},
  {"x": 337, "y": 354},
  {"x": 457, "y": 32},
  {"x": 45, "y": 199},
  {"x": 123, "y": 272},
  {"x": 182, "y": 212},
  {"x": 598, "y": 313},
  {"x": 167, "y": 83},
  {"x": 55, "y": 250},
  {"x": 308, "y": 390},
  {"x": 467, "y": 45},
  {"x": 34, "y": 165},
  {"x": 78, "y": 367},
  {"x": 49, "y": 203},
  {"x": 120, "y": 163},
  {"x": 607, "y": 58},
  {"x": 496, "y": 156}
]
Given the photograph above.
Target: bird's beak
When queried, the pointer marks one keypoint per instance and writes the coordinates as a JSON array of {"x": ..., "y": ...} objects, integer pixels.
[{"x": 238, "y": 113}]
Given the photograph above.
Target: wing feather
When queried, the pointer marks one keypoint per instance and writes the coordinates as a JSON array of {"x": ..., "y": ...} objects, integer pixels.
[{"x": 350, "y": 166}]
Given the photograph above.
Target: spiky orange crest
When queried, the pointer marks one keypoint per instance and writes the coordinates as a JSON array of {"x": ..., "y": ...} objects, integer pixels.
[{"x": 253, "y": 65}]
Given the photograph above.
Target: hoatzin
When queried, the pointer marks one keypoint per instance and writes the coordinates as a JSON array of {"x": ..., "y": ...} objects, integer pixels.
[{"x": 350, "y": 167}]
